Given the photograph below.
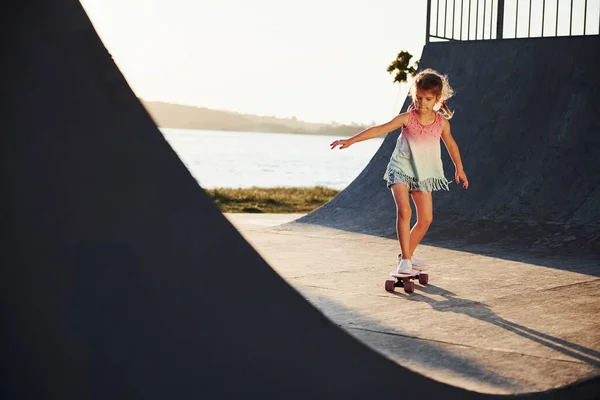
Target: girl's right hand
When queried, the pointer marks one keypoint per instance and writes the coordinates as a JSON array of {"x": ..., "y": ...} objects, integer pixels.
[{"x": 343, "y": 143}]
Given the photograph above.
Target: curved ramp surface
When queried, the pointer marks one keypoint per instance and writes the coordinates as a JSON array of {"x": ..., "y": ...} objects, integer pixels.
[
  {"x": 120, "y": 278},
  {"x": 527, "y": 126}
]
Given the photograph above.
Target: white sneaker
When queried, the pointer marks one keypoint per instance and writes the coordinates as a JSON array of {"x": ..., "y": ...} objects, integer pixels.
[
  {"x": 404, "y": 267},
  {"x": 419, "y": 264}
]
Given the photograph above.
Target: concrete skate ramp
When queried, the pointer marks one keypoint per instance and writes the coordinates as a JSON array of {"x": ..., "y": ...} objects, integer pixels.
[
  {"x": 526, "y": 121},
  {"x": 120, "y": 278}
]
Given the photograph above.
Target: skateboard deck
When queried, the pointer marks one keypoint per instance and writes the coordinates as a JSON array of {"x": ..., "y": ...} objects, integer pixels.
[
  {"x": 414, "y": 272},
  {"x": 404, "y": 280}
]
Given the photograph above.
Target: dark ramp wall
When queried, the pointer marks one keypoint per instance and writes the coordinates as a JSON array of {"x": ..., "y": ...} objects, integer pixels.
[{"x": 528, "y": 128}]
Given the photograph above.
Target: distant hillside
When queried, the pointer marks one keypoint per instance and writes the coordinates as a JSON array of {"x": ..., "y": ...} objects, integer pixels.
[{"x": 168, "y": 115}]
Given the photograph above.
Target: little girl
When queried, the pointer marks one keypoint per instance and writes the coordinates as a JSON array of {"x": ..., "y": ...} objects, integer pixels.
[{"x": 415, "y": 166}]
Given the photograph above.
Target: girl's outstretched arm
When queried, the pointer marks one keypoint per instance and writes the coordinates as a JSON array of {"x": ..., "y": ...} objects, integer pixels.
[
  {"x": 372, "y": 132},
  {"x": 452, "y": 148}
]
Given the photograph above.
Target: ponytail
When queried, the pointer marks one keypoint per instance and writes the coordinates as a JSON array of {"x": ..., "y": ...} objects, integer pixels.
[{"x": 446, "y": 111}]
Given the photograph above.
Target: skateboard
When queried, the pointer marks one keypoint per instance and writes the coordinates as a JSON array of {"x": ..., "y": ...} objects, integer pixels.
[{"x": 404, "y": 280}]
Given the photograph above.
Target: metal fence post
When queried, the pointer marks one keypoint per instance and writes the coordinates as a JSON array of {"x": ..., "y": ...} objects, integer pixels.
[
  {"x": 428, "y": 23},
  {"x": 500, "y": 20}
]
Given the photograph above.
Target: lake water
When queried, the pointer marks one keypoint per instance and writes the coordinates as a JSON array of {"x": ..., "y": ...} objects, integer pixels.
[{"x": 245, "y": 159}]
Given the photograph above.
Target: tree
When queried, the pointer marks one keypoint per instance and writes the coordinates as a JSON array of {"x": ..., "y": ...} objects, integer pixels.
[{"x": 401, "y": 67}]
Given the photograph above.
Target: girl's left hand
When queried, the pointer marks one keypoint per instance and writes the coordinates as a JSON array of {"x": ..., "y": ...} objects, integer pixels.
[{"x": 461, "y": 176}]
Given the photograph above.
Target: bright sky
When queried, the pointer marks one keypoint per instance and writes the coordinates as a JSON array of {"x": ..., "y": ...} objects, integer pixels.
[{"x": 317, "y": 60}]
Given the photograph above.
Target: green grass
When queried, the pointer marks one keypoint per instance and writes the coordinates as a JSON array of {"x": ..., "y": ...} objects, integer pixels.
[{"x": 271, "y": 200}]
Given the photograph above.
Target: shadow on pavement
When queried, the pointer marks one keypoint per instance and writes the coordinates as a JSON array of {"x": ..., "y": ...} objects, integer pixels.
[{"x": 483, "y": 312}]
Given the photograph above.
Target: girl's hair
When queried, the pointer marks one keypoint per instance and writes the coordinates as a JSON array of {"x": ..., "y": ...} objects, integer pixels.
[{"x": 430, "y": 79}]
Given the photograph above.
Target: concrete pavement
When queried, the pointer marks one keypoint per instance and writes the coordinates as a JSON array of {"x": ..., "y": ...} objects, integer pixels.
[{"x": 482, "y": 323}]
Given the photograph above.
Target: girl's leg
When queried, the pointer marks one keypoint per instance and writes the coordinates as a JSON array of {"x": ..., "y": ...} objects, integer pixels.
[
  {"x": 403, "y": 214},
  {"x": 424, "y": 205}
]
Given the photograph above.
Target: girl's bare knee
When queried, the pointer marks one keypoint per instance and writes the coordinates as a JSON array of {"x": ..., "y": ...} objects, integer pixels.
[
  {"x": 426, "y": 220},
  {"x": 404, "y": 211}
]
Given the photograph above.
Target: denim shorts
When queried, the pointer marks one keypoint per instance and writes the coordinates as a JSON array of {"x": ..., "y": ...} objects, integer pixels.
[{"x": 400, "y": 170}]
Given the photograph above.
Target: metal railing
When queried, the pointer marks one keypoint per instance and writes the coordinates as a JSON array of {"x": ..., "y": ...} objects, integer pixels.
[{"x": 509, "y": 19}]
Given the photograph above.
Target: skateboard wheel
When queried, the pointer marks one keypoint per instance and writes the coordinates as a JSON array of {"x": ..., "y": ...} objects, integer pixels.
[
  {"x": 409, "y": 287},
  {"x": 389, "y": 286},
  {"x": 423, "y": 279}
]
